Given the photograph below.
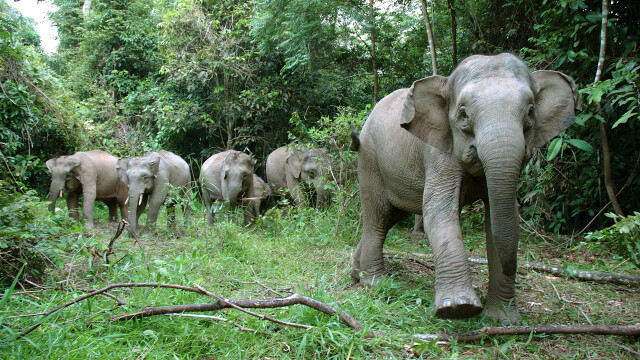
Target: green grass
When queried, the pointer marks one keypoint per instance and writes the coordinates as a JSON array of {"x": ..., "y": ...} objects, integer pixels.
[{"x": 300, "y": 251}]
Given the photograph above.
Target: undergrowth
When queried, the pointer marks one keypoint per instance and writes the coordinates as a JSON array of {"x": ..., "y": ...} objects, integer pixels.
[{"x": 303, "y": 251}]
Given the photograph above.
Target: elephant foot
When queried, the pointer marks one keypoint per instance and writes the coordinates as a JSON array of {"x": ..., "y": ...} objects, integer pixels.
[
  {"x": 505, "y": 314},
  {"x": 460, "y": 306},
  {"x": 368, "y": 279}
]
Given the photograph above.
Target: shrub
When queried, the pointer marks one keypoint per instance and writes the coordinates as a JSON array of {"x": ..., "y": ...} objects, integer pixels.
[{"x": 29, "y": 236}]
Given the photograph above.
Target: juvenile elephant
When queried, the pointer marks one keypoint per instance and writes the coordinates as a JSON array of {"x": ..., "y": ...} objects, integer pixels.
[
  {"x": 444, "y": 143},
  {"x": 229, "y": 176},
  {"x": 148, "y": 178},
  {"x": 303, "y": 171},
  {"x": 91, "y": 174}
]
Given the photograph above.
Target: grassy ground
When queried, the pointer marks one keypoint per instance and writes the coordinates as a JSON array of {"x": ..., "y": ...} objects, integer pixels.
[{"x": 305, "y": 252}]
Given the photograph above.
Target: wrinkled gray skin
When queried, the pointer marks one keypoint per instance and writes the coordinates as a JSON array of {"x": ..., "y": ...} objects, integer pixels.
[
  {"x": 91, "y": 174},
  {"x": 301, "y": 171},
  {"x": 148, "y": 177},
  {"x": 229, "y": 176},
  {"x": 444, "y": 143}
]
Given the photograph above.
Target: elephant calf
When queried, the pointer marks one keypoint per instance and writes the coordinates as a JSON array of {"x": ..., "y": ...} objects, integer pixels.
[
  {"x": 91, "y": 174},
  {"x": 149, "y": 178},
  {"x": 229, "y": 176},
  {"x": 444, "y": 143},
  {"x": 302, "y": 171}
]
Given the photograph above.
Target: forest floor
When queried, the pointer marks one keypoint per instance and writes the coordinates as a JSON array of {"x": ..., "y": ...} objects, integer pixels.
[{"x": 306, "y": 253}]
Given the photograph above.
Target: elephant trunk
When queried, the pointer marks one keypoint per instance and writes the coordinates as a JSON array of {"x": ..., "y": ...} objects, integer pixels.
[
  {"x": 233, "y": 194},
  {"x": 502, "y": 153},
  {"x": 55, "y": 191},
  {"x": 134, "y": 206}
]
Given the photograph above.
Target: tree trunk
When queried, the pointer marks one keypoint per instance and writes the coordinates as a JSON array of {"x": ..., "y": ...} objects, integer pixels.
[
  {"x": 454, "y": 30},
  {"x": 432, "y": 47},
  {"x": 606, "y": 153},
  {"x": 373, "y": 51}
]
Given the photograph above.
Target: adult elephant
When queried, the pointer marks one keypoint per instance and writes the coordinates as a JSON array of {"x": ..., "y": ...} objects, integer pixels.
[
  {"x": 303, "y": 171},
  {"x": 149, "y": 179},
  {"x": 229, "y": 176},
  {"x": 444, "y": 143},
  {"x": 91, "y": 174}
]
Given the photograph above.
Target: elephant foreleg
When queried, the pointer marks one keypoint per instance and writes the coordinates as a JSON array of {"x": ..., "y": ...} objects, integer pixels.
[
  {"x": 89, "y": 199},
  {"x": 156, "y": 200},
  {"x": 500, "y": 304},
  {"x": 73, "y": 204},
  {"x": 455, "y": 296}
]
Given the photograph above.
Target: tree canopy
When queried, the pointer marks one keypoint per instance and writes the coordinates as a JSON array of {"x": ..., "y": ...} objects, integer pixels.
[{"x": 200, "y": 76}]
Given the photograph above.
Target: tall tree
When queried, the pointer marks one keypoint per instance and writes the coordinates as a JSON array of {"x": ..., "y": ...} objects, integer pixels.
[{"x": 432, "y": 45}]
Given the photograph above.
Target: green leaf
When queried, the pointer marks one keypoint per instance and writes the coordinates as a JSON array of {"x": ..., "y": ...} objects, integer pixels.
[
  {"x": 581, "y": 144},
  {"x": 624, "y": 118},
  {"x": 554, "y": 148}
]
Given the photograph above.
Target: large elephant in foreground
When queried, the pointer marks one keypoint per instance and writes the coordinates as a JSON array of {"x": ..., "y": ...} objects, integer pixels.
[
  {"x": 91, "y": 174},
  {"x": 303, "y": 171},
  {"x": 149, "y": 179},
  {"x": 444, "y": 143},
  {"x": 229, "y": 176}
]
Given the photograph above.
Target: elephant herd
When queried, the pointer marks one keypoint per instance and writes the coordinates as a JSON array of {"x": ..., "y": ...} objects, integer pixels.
[
  {"x": 428, "y": 150},
  {"x": 130, "y": 183}
]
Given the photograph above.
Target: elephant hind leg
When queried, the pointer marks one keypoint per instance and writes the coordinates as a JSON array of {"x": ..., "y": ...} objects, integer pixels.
[
  {"x": 112, "y": 204},
  {"x": 378, "y": 217}
]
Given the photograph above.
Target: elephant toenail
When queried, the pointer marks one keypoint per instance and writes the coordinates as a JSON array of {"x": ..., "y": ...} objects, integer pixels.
[
  {"x": 463, "y": 300},
  {"x": 446, "y": 303}
]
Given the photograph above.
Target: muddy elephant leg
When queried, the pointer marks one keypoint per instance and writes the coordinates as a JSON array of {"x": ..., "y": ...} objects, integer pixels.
[
  {"x": 156, "y": 199},
  {"x": 72, "y": 205},
  {"x": 418, "y": 225},
  {"x": 171, "y": 215},
  {"x": 112, "y": 205},
  {"x": 141, "y": 206},
  {"x": 208, "y": 202},
  {"x": 88, "y": 202},
  {"x": 378, "y": 216},
  {"x": 124, "y": 212},
  {"x": 186, "y": 206},
  {"x": 455, "y": 296},
  {"x": 500, "y": 304}
]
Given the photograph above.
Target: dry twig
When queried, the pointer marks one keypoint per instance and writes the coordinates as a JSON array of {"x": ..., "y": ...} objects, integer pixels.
[{"x": 477, "y": 335}]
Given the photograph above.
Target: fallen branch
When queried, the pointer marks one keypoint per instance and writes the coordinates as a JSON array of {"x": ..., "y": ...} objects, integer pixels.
[
  {"x": 564, "y": 272},
  {"x": 293, "y": 299},
  {"x": 109, "y": 250},
  {"x": 225, "y": 303},
  {"x": 476, "y": 335}
]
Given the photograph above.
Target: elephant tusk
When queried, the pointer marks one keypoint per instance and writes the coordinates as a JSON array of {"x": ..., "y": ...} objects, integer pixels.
[
  {"x": 60, "y": 193},
  {"x": 140, "y": 200},
  {"x": 126, "y": 201}
]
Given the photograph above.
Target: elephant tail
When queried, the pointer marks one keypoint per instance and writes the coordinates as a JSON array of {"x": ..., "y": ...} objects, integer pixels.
[{"x": 355, "y": 141}]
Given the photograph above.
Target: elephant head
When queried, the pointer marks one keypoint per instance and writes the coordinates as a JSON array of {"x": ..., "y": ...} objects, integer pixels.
[
  {"x": 310, "y": 167},
  {"x": 490, "y": 114},
  {"x": 139, "y": 174},
  {"x": 237, "y": 176},
  {"x": 66, "y": 176}
]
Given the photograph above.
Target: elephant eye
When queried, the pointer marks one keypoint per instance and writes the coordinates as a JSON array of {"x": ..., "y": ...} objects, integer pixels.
[
  {"x": 531, "y": 117},
  {"x": 464, "y": 121}
]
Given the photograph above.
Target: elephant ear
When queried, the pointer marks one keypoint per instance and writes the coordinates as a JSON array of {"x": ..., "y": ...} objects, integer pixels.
[
  {"x": 51, "y": 163},
  {"x": 74, "y": 165},
  {"x": 226, "y": 164},
  {"x": 121, "y": 166},
  {"x": 556, "y": 101},
  {"x": 424, "y": 113},
  {"x": 154, "y": 164},
  {"x": 294, "y": 163}
]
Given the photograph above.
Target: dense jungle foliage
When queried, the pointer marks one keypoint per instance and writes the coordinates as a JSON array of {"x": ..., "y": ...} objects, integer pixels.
[{"x": 196, "y": 77}]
